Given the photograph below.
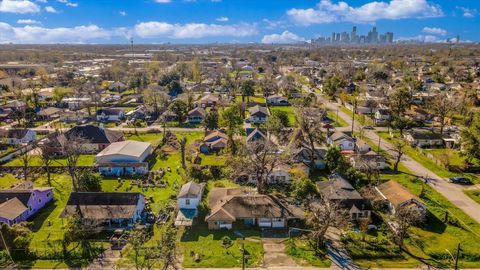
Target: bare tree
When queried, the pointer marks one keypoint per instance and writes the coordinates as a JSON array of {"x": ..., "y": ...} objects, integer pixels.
[
  {"x": 399, "y": 151},
  {"x": 309, "y": 130},
  {"x": 26, "y": 158},
  {"x": 168, "y": 247},
  {"x": 404, "y": 218},
  {"x": 322, "y": 214},
  {"x": 183, "y": 143},
  {"x": 46, "y": 148},
  {"x": 258, "y": 159},
  {"x": 442, "y": 107},
  {"x": 369, "y": 168},
  {"x": 136, "y": 239},
  {"x": 72, "y": 148}
]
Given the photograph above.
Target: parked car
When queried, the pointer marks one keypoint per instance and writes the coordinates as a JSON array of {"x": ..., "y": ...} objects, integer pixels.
[
  {"x": 460, "y": 180},
  {"x": 369, "y": 127}
]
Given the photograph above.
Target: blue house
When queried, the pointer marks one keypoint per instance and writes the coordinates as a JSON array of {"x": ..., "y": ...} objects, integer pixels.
[{"x": 124, "y": 158}]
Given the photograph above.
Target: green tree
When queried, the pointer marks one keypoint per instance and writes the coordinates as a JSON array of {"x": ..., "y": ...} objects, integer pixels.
[
  {"x": 89, "y": 182},
  {"x": 231, "y": 119},
  {"x": 211, "y": 120},
  {"x": 304, "y": 188},
  {"x": 179, "y": 108},
  {"x": 333, "y": 84},
  {"x": 471, "y": 139},
  {"x": 61, "y": 92},
  {"x": 399, "y": 102},
  {"x": 334, "y": 159},
  {"x": 283, "y": 117},
  {"x": 247, "y": 89}
]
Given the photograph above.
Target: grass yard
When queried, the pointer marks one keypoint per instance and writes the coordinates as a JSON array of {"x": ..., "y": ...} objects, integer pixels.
[
  {"x": 427, "y": 162},
  {"x": 433, "y": 239},
  {"x": 260, "y": 100},
  {"x": 84, "y": 160},
  {"x": 300, "y": 250},
  {"x": 337, "y": 121},
  {"x": 208, "y": 245},
  {"x": 288, "y": 109},
  {"x": 474, "y": 194}
]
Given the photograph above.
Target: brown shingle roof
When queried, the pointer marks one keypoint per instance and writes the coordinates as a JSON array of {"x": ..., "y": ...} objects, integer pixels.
[
  {"x": 396, "y": 194},
  {"x": 12, "y": 208}
]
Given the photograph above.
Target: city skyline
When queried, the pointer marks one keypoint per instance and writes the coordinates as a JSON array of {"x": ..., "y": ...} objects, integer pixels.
[{"x": 227, "y": 21}]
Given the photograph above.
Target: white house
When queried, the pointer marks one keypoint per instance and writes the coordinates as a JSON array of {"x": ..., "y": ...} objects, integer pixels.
[
  {"x": 423, "y": 138},
  {"x": 342, "y": 140},
  {"x": 73, "y": 116},
  {"x": 76, "y": 103},
  {"x": 277, "y": 100},
  {"x": 370, "y": 160},
  {"x": 279, "y": 175},
  {"x": 188, "y": 199},
  {"x": 124, "y": 158},
  {"x": 17, "y": 136},
  {"x": 382, "y": 116},
  {"x": 110, "y": 115}
]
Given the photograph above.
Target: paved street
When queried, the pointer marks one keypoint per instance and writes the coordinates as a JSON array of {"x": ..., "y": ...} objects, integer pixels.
[{"x": 452, "y": 192}]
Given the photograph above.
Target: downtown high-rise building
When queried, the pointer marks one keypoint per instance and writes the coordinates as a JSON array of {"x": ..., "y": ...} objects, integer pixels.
[{"x": 372, "y": 37}]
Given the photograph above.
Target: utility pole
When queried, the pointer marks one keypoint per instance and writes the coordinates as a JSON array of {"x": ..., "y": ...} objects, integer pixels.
[
  {"x": 456, "y": 257},
  {"x": 243, "y": 254},
  {"x": 131, "y": 47},
  {"x": 378, "y": 148}
]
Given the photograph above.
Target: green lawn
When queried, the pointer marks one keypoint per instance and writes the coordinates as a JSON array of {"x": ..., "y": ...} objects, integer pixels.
[
  {"x": 431, "y": 240},
  {"x": 300, "y": 250},
  {"x": 474, "y": 194},
  {"x": 288, "y": 109},
  {"x": 255, "y": 99},
  {"x": 427, "y": 162},
  {"x": 338, "y": 121},
  {"x": 208, "y": 245},
  {"x": 84, "y": 160}
]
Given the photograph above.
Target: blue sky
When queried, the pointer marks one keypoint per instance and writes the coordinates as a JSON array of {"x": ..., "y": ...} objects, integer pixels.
[{"x": 207, "y": 21}]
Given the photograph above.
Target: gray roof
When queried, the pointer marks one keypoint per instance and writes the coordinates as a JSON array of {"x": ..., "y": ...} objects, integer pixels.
[
  {"x": 127, "y": 148},
  {"x": 258, "y": 109},
  {"x": 190, "y": 190},
  {"x": 337, "y": 188}
]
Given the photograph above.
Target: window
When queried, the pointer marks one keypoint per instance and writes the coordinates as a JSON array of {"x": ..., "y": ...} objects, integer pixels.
[
  {"x": 48, "y": 194},
  {"x": 39, "y": 200},
  {"x": 187, "y": 201}
]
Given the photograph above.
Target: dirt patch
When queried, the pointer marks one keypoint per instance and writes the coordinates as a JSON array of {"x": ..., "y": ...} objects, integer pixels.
[{"x": 274, "y": 255}]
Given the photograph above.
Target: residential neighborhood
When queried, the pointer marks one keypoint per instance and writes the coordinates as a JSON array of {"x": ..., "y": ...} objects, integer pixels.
[{"x": 346, "y": 151}]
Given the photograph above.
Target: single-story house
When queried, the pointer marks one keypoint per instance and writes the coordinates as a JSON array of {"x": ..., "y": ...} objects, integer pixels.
[
  {"x": 5, "y": 113},
  {"x": 196, "y": 115},
  {"x": 258, "y": 114},
  {"x": 73, "y": 116},
  {"x": 93, "y": 138},
  {"x": 110, "y": 115},
  {"x": 188, "y": 199},
  {"x": 398, "y": 196},
  {"x": 17, "y": 136},
  {"x": 208, "y": 100},
  {"x": 49, "y": 113},
  {"x": 254, "y": 135},
  {"x": 15, "y": 105},
  {"x": 124, "y": 158},
  {"x": 277, "y": 100},
  {"x": 342, "y": 140},
  {"x": 238, "y": 205},
  {"x": 169, "y": 116},
  {"x": 214, "y": 141},
  {"x": 106, "y": 210},
  {"x": 382, "y": 116},
  {"x": 419, "y": 138},
  {"x": 370, "y": 160},
  {"x": 303, "y": 155},
  {"x": 17, "y": 205},
  {"x": 76, "y": 103},
  {"x": 117, "y": 87},
  {"x": 340, "y": 191},
  {"x": 279, "y": 175}
]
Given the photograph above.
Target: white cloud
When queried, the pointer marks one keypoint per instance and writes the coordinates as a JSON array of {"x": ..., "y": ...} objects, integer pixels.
[
  {"x": 122, "y": 13},
  {"x": 468, "y": 12},
  {"x": 68, "y": 3},
  {"x": 19, "y": 6},
  {"x": 50, "y": 9},
  {"x": 37, "y": 34},
  {"x": 28, "y": 21},
  {"x": 222, "y": 19},
  {"x": 162, "y": 1},
  {"x": 285, "y": 37},
  {"x": 435, "y": 31},
  {"x": 192, "y": 30},
  {"x": 327, "y": 12}
]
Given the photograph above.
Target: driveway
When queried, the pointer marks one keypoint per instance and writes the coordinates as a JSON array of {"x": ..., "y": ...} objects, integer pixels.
[{"x": 274, "y": 255}]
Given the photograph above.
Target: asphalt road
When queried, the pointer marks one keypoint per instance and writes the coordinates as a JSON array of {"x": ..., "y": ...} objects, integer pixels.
[{"x": 452, "y": 192}]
